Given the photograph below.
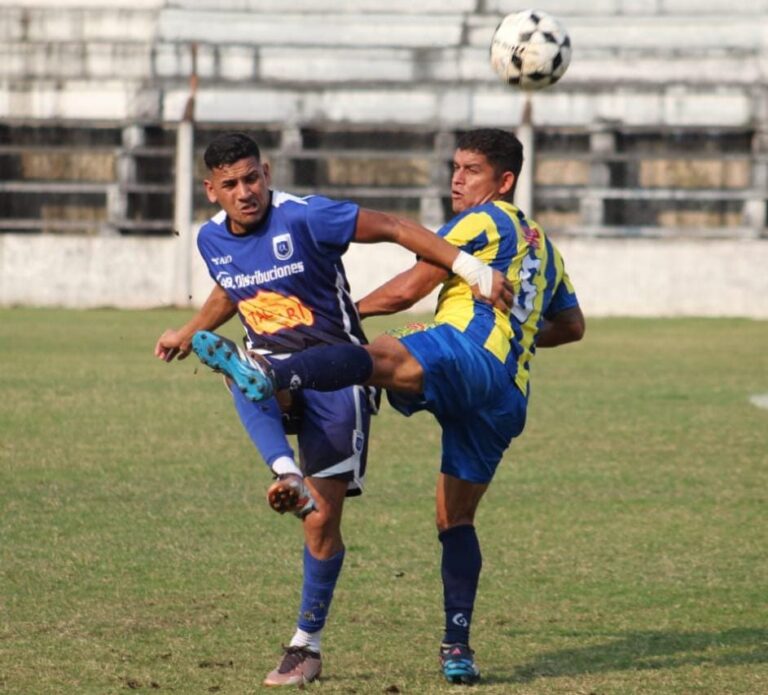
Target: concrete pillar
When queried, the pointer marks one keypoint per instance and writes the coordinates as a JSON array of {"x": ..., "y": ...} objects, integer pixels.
[
  {"x": 282, "y": 167},
  {"x": 182, "y": 211},
  {"x": 602, "y": 142},
  {"x": 431, "y": 211},
  {"x": 525, "y": 183},
  {"x": 755, "y": 208},
  {"x": 125, "y": 172},
  {"x": 117, "y": 209}
]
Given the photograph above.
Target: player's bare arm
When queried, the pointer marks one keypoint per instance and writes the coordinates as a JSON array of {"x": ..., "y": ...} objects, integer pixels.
[
  {"x": 393, "y": 366},
  {"x": 487, "y": 284},
  {"x": 567, "y": 326},
  {"x": 216, "y": 310},
  {"x": 402, "y": 291}
]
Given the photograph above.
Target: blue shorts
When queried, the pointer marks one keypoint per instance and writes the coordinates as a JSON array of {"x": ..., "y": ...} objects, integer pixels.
[
  {"x": 469, "y": 391},
  {"x": 331, "y": 429}
]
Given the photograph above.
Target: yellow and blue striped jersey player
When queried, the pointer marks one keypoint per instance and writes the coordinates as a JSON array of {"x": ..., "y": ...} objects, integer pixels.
[{"x": 470, "y": 368}]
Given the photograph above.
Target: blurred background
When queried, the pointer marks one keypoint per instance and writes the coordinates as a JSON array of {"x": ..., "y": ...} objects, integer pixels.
[{"x": 649, "y": 165}]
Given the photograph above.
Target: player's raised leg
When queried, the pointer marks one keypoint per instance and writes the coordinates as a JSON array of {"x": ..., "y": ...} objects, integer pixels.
[
  {"x": 250, "y": 374},
  {"x": 323, "y": 368}
]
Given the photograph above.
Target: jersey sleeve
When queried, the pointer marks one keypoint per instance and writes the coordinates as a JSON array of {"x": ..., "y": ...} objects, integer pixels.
[
  {"x": 466, "y": 232},
  {"x": 564, "y": 297},
  {"x": 204, "y": 248},
  {"x": 331, "y": 223}
]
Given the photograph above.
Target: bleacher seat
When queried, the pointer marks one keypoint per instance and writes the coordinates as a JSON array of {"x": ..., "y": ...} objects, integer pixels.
[{"x": 397, "y": 67}]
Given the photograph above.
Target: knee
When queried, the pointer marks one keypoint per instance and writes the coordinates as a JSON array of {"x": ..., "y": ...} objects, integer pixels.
[
  {"x": 447, "y": 521},
  {"x": 322, "y": 533}
]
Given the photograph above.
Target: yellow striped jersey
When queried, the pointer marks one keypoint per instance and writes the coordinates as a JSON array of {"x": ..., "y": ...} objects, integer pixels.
[{"x": 500, "y": 235}]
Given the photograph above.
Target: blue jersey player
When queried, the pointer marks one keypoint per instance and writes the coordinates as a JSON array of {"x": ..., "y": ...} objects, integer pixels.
[
  {"x": 470, "y": 367},
  {"x": 276, "y": 262}
]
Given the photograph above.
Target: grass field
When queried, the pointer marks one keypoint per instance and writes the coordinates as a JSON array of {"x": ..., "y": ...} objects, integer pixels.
[{"x": 625, "y": 539}]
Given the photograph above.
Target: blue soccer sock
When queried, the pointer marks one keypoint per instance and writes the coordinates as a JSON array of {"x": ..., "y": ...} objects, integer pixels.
[
  {"x": 324, "y": 368},
  {"x": 264, "y": 424},
  {"x": 320, "y": 577},
  {"x": 460, "y": 569}
]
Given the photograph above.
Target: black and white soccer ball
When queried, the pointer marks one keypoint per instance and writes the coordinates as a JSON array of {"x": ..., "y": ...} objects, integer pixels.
[{"x": 530, "y": 49}]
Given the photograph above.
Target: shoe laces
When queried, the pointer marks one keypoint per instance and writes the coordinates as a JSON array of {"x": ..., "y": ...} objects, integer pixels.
[
  {"x": 293, "y": 656},
  {"x": 456, "y": 652}
]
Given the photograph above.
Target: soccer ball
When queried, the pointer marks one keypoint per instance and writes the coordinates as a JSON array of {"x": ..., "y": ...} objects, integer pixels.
[{"x": 530, "y": 49}]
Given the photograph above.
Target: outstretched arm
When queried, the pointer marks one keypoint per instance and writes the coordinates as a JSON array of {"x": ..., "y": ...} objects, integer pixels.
[
  {"x": 487, "y": 284},
  {"x": 218, "y": 309},
  {"x": 567, "y": 326},
  {"x": 403, "y": 290}
]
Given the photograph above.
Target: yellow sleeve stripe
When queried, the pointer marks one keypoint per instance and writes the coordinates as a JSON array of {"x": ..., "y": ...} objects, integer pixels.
[{"x": 470, "y": 228}]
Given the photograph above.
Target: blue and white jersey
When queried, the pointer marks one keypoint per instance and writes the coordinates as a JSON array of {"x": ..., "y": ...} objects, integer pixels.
[{"x": 286, "y": 276}]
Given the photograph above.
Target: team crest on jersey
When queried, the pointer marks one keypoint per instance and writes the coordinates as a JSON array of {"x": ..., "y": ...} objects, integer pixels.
[{"x": 282, "y": 246}]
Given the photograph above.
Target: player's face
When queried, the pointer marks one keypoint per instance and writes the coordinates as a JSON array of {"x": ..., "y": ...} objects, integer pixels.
[
  {"x": 242, "y": 191},
  {"x": 475, "y": 182}
]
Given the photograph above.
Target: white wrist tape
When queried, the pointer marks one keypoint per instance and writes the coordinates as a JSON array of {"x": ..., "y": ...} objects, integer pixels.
[{"x": 474, "y": 272}]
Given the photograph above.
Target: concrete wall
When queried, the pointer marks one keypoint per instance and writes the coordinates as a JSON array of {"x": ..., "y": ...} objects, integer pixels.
[{"x": 613, "y": 277}]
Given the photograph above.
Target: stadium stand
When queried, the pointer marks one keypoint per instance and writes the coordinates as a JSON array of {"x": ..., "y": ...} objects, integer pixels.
[{"x": 658, "y": 129}]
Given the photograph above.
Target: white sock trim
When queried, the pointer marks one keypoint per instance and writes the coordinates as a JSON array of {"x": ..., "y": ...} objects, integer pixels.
[
  {"x": 284, "y": 465},
  {"x": 310, "y": 640}
]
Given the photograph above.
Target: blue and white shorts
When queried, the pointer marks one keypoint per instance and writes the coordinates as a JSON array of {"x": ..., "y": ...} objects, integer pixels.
[{"x": 332, "y": 430}]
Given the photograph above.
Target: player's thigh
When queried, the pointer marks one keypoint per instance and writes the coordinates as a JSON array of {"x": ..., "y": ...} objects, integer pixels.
[
  {"x": 333, "y": 434},
  {"x": 394, "y": 367},
  {"x": 474, "y": 443}
]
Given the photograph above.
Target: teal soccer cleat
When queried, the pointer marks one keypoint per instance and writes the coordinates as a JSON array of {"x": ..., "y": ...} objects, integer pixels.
[
  {"x": 458, "y": 662},
  {"x": 251, "y": 374}
]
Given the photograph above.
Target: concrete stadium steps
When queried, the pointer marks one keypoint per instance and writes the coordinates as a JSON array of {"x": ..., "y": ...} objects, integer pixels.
[
  {"x": 60, "y": 23},
  {"x": 652, "y": 33},
  {"x": 380, "y": 73},
  {"x": 310, "y": 7},
  {"x": 676, "y": 35},
  {"x": 89, "y": 4},
  {"x": 81, "y": 59},
  {"x": 558, "y": 7},
  {"x": 75, "y": 59},
  {"x": 628, "y": 8},
  {"x": 92, "y": 100},
  {"x": 367, "y": 66},
  {"x": 327, "y": 29},
  {"x": 459, "y": 106},
  {"x": 587, "y": 182},
  {"x": 305, "y": 66}
]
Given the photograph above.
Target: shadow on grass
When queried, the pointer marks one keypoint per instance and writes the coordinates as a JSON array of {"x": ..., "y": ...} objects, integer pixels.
[{"x": 648, "y": 650}]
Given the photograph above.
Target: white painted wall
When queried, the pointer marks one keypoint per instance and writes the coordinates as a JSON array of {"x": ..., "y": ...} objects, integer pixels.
[{"x": 613, "y": 277}]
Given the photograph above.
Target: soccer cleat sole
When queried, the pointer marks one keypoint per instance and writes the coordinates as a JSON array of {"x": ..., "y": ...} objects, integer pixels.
[
  {"x": 284, "y": 498},
  {"x": 223, "y": 355}
]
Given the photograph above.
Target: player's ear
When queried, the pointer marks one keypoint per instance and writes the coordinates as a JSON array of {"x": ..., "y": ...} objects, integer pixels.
[
  {"x": 267, "y": 172},
  {"x": 209, "y": 191},
  {"x": 507, "y": 183}
]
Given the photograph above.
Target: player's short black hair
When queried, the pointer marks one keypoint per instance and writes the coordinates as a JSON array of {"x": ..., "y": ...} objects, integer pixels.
[
  {"x": 503, "y": 150},
  {"x": 229, "y": 148}
]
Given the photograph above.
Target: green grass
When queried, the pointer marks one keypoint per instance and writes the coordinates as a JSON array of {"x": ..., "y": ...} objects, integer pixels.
[{"x": 624, "y": 539}]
